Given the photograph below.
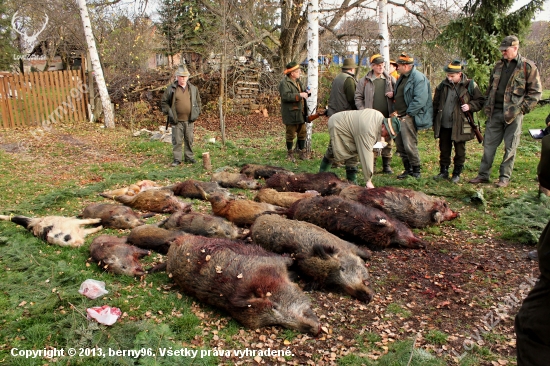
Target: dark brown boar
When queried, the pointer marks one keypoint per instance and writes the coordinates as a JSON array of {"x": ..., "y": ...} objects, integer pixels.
[
  {"x": 112, "y": 215},
  {"x": 258, "y": 171},
  {"x": 153, "y": 237},
  {"x": 240, "y": 212},
  {"x": 234, "y": 180},
  {"x": 324, "y": 259},
  {"x": 282, "y": 199},
  {"x": 326, "y": 183},
  {"x": 188, "y": 189},
  {"x": 155, "y": 200},
  {"x": 115, "y": 256},
  {"x": 352, "y": 221},
  {"x": 251, "y": 284},
  {"x": 201, "y": 224},
  {"x": 414, "y": 208}
]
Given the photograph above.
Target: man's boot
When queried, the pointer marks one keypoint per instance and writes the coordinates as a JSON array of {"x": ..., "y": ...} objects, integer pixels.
[
  {"x": 456, "y": 173},
  {"x": 290, "y": 151},
  {"x": 351, "y": 175},
  {"x": 325, "y": 165},
  {"x": 416, "y": 171},
  {"x": 443, "y": 172},
  {"x": 407, "y": 172},
  {"x": 302, "y": 154},
  {"x": 386, "y": 168}
]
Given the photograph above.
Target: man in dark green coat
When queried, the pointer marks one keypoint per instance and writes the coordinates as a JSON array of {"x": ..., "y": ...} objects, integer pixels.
[
  {"x": 450, "y": 123},
  {"x": 293, "y": 109}
]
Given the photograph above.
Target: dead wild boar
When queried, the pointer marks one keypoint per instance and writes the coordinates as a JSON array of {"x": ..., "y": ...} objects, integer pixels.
[
  {"x": 353, "y": 221},
  {"x": 326, "y": 183},
  {"x": 187, "y": 189},
  {"x": 131, "y": 190},
  {"x": 155, "y": 200},
  {"x": 201, "y": 224},
  {"x": 113, "y": 216},
  {"x": 414, "y": 208},
  {"x": 324, "y": 259},
  {"x": 282, "y": 199},
  {"x": 115, "y": 256},
  {"x": 153, "y": 237},
  {"x": 234, "y": 180},
  {"x": 63, "y": 231},
  {"x": 241, "y": 211},
  {"x": 258, "y": 171},
  {"x": 248, "y": 282}
]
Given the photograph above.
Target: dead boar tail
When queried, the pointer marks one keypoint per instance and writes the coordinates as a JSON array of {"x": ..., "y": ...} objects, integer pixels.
[
  {"x": 19, "y": 220},
  {"x": 161, "y": 267}
]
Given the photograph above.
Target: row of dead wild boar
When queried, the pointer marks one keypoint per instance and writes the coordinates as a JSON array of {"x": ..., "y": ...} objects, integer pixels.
[{"x": 240, "y": 258}]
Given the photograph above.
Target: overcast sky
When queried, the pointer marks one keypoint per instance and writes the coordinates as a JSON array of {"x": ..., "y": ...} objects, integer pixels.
[{"x": 543, "y": 15}]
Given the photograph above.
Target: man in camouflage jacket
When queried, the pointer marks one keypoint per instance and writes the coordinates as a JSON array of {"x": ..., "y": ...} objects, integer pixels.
[{"x": 514, "y": 90}]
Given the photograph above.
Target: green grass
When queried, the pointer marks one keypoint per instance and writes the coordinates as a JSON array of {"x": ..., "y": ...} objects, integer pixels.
[{"x": 40, "y": 306}]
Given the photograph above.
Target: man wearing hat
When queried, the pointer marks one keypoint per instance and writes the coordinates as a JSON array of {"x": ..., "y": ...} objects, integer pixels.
[
  {"x": 450, "y": 124},
  {"x": 514, "y": 90},
  {"x": 413, "y": 106},
  {"x": 342, "y": 93},
  {"x": 181, "y": 103},
  {"x": 354, "y": 133},
  {"x": 375, "y": 91},
  {"x": 293, "y": 109}
]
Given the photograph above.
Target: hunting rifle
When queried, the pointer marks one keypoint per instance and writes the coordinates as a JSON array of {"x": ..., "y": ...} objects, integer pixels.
[
  {"x": 470, "y": 118},
  {"x": 314, "y": 116}
]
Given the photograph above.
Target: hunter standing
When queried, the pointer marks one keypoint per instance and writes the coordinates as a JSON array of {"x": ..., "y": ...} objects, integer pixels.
[
  {"x": 294, "y": 110},
  {"x": 375, "y": 91},
  {"x": 181, "y": 103},
  {"x": 450, "y": 124},
  {"x": 514, "y": 90}
]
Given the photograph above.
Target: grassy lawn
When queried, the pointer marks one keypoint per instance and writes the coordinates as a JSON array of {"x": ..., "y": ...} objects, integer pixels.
[{"x": 59, "y": 174}]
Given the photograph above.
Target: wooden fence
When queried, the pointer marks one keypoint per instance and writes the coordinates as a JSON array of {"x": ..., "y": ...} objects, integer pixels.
[{"x": 42, "y": 98}]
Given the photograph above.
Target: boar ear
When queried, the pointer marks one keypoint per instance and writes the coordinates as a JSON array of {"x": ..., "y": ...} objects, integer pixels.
[{"x": 324, "y": 252}]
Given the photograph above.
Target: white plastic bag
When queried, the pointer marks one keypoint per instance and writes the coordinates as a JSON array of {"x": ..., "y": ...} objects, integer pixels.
[
  {"x": 104, "y": 314},
  {"x": 93, "y": 289}
]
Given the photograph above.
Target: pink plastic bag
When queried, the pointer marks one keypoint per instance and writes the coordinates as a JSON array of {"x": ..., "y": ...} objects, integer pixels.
[
  {"x": 93, "y": 289},
  {"x": 104, "y": 314}
]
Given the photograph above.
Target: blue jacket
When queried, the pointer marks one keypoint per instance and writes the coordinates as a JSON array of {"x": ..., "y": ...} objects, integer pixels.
[{"x": 418, "y": 98}]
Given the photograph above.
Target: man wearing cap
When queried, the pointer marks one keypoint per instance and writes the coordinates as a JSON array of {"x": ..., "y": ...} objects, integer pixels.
[
  {"x": 393, "y": 69},
  {"x": 375, "y": 91},
  {"x": 354, "y": 133},
  {"x": 342, "y": 93},
  {"x": 413, "y": 106},
  {"x": 181, "y": 103},
  {"x": 450, "y": 124},
  {"x": 514, "y": 90},
  {"x": 293, "y": 109}
]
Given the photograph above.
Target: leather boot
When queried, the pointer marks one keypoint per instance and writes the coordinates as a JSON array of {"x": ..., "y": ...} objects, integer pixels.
[
  {"x": 351, "y": 175},
  {"x": 416, "y": 171},
  {"x": 456, "y": 173},
  {"x": 443, "y": 172},
  {"x": 407, "y": 172},
  {"x": 386, "y": 168},
  {"x": 302, "y": 154},
  {"x": 290, "y": 155},
  {"x": 325, "y": 165}
]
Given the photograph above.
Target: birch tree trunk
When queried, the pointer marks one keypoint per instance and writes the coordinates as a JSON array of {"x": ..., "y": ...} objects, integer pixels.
[
  {"x": 96, "y": 65},
  {"x": 313, "y": 63},
  {"x": 383, "y": 31}
]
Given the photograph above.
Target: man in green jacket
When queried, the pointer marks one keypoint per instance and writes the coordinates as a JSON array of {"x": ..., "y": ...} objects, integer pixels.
[
  {"x": 342, "y": 98},
  {"x": 181, "y": 103},
  {"x": 293, "y": 109},
  {"x": 450, "y": 124},
  {"x": 514, "y": 90},
  {"x": 413, "y": 106}
]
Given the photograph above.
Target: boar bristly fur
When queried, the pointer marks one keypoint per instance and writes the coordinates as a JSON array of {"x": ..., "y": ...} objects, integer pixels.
[
  {"x": 115, "y": 256},
  {"x": 251, "y": 284},
  {"x": 414, "y": 208},
  {"x": 197, "y": 223},
  {"x": 112, "y": 215},
  {"x": 153, "y": 237},
  {"x": 234, "y": 180},
  {"x": 321, "y": 257},
  {"x": 258, "y": 171},
  {"x": 282, "y": 199},
  {"x": 188, "y": 189},
  {"x": 326, "y": 183}
]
